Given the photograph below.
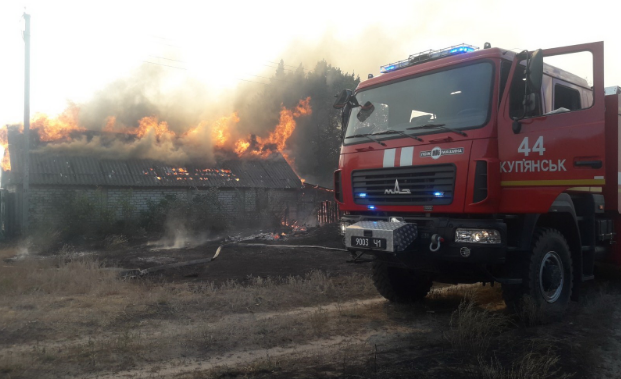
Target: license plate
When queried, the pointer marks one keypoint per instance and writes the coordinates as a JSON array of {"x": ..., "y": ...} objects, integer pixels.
[{"x": 368, "y": 243}]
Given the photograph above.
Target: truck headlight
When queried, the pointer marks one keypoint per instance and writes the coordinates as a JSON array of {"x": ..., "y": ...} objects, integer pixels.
[{"x": 487, "y": 236}]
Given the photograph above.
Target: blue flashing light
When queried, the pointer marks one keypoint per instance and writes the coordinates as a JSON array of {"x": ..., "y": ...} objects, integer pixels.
[
  {"x": 461, "y": 49},
  {"x": 371, "y": 207},
  {"x": 438, "y": 194},
  {"x": 395, "y": 66},
  {"x": 362, "y": 194},
  {"x": 427, "y": 56}
]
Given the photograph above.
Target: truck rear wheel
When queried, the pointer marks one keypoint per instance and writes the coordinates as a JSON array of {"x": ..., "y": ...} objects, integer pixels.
[
  {"x": 547, "y": 277},
  {"x": 400, "y": 285}
]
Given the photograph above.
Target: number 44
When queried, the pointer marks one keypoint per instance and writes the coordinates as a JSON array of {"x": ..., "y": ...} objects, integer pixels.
[{"x": 538, "y": 148}]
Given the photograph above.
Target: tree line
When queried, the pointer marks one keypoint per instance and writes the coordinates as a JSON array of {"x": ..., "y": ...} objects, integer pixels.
[{"x": 315, "y": 144}]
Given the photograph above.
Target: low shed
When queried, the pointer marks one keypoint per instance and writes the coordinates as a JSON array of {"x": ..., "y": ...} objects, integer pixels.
[{"x": 244, "y": 186}]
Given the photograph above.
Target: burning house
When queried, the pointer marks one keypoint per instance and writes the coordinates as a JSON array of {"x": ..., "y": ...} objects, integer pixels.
[{"x": 249, "y": 177}]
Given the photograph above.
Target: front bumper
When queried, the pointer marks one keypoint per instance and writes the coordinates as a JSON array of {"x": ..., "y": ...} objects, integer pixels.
[{"x": 419, "y": 253}]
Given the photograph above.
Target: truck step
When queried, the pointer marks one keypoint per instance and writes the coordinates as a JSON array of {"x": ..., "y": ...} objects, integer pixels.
[{"x": 587, "y": 277}]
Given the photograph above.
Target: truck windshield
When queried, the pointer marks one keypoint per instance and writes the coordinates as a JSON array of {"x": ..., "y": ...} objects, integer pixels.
[{"x": 458, "y": 98}]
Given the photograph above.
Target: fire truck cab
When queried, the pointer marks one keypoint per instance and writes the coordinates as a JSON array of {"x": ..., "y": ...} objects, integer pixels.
[{"x": 463, "y": 165}]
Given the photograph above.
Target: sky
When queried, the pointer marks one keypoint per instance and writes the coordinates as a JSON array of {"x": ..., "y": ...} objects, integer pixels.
[{"x": 78, "y": 47}]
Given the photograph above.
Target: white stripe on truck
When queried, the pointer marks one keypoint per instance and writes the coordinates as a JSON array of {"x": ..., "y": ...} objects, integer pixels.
[
  {"x": 389, "y": 157},
  {"x": 406, "y": 156}
]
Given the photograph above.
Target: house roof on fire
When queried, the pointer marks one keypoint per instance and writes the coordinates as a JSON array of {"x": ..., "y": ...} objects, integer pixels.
[{"x": 54, "y": 169}]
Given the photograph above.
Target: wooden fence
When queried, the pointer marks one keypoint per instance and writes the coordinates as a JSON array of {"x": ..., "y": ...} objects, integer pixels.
[{"x": 328, "y": 212}]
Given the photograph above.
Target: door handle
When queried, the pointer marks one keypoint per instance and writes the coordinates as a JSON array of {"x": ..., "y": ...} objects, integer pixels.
[{"x": 593, "y": 164}]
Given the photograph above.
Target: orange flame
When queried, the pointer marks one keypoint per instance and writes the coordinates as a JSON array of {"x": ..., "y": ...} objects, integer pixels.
[
  {"x": 241, "y": 146},
  {"x": 222, "y": 133},
  {"x": 277, "y": 140},
  {"x": 148, "y": 125},
  {"x": 4, "y": 142},
  {"x": 48, "y": 128},
  {"x": 59, "y": 128},
  {"x": 110, "y": 124}
]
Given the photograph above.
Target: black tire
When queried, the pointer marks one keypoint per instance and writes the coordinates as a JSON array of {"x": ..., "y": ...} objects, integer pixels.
[
  {"x": 400, "y": 285},
  {"x": 547, "y": 277}
]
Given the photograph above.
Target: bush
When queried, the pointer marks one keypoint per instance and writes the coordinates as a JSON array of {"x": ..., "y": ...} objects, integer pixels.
[
  {"x": 80, "y": 216},
  {"x": 74, "y": 217},
  {"x": 203, "y": 213}
]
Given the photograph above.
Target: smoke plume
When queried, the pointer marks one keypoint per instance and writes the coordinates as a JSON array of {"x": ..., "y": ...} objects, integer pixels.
[{"x": 142, "y": 116}]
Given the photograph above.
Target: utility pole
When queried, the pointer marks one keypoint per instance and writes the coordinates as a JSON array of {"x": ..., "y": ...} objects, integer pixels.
[{"x": 26, "y": 150}]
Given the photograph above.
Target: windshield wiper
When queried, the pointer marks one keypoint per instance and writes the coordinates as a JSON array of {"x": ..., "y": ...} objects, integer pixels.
[
  {"x": 428, "y": 126},
  {"x": 366, "y": 135},
  {"x": 397, "y": 132}
]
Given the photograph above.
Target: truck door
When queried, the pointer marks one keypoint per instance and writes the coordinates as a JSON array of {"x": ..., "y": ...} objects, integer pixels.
[{"x": 560, "y": 145}]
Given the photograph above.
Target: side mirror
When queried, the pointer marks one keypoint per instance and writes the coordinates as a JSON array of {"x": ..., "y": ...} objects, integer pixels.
[
  {"x": 365, "y": 111},
  {"x": 535, "y": 71},
  {"x": 530, "y": 103},
  {"x": 342, "y": 99}
]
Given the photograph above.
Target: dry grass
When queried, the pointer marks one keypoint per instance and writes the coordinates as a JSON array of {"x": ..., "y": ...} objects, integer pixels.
[
  {"x": 346, "y": 359},
  {"x": 530, "y": 314},
  {"x": 60, "y": 277},
  {"x": 472, "y": 328},
  {"x": 531, "y": 366},
  {"x": 69, "y": 314},
  {"x": 115, "y": 240},
  {"x": 261, "y": 366}
]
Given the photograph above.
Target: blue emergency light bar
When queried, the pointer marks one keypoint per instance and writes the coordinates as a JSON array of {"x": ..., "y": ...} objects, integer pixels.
[{"x": 428, "y": 55}]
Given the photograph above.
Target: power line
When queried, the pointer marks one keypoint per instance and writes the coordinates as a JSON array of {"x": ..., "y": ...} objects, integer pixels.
[
  {"x": 164, "y": 43},
  {"x": 284, "y": 68},
  {"x": 283, "y": 64},
  {"x": 165, "y": 65},
  {"x": 264, "y": 77},
  {"x": 181, "y": 68},
  {"x": 168, "y": 59},
  {"x": 250, "y": 81},
  {"x": 176, "y": 60},
  {"x": 168, "y": 44},
  {"x": 259, "y": 76}
]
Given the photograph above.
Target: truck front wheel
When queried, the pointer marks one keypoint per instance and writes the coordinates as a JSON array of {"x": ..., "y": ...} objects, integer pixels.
[
  {"x": 547, "y": 277},
  {"x": 400, "y": 285}
]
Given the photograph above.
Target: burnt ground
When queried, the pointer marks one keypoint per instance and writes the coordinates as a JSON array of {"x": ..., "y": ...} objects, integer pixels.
[{"x": 237, "y": 262}]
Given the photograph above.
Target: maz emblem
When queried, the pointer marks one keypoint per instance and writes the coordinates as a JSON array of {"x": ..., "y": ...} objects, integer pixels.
[{"x": 397, "y": 190}]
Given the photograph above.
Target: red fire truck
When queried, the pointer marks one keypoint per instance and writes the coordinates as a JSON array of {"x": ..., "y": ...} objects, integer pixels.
[{"x": 466, "y": 165}]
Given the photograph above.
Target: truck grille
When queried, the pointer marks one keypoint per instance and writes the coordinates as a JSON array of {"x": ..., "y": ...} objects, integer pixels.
[{"x": 412, "y": 185}]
